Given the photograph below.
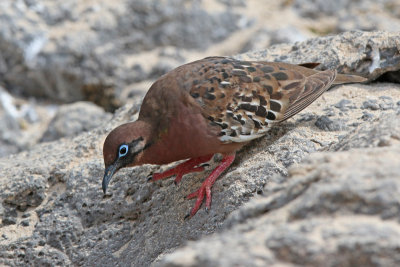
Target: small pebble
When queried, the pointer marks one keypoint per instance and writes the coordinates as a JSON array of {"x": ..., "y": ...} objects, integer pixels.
[
  {"x": 386, "y": 103},
  {"x": 384, "y": 141},
  {"x": 9, "y": 220},
  {"x": 326, "y": 124},
  {"x": 306, "y": 117},
  {"x": 344, "y": 105},
  {"x": 25, "y": 223},
  {"x": 329, "y": 112},
  {"x": 367, "y": 116},
  {"x": 371, "y": 104}
]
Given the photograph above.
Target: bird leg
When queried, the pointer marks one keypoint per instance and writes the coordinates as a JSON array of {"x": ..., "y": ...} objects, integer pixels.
[
  {"x": 205, "y": 188},
  {"x": 188, "y": 166}
]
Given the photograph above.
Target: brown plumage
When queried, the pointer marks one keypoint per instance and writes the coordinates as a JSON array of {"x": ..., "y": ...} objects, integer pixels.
[{"x": 213, "y": 105}]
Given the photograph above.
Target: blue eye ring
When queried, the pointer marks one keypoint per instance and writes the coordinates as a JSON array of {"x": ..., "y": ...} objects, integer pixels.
[{"x": 123, "y": 150}]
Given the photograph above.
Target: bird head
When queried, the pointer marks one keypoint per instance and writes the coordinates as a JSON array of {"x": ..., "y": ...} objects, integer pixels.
[{"x": 124, "y": 147}]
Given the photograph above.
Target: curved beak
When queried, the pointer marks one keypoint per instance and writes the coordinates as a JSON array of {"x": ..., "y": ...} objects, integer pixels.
[{"x": 108, "y": 174}]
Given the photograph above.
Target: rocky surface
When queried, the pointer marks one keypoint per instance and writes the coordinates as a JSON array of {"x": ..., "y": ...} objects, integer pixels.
[
  {"x": 93, "y": 50},
  {"x": 321, "y": 189},
  {"x": 276, "y": 205},
  {"x": 22, "y": 122},
  {"x": 25, "y": 123},
  {"x": 110, "y": 53},
  {"x": 86, "y": 50},
  {"x": 335, "y": 208},
  {"x": 370, "y": 54},
  {"x": 73, "y": 119}
]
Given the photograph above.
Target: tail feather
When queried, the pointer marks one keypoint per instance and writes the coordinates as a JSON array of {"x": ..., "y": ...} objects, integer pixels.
[{"x": 347, "y": 78}]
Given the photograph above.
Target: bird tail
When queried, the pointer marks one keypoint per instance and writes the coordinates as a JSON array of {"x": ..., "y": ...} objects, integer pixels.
[
  {"x": 347, "y": 78},
  {"x": 340, "y": 78}
]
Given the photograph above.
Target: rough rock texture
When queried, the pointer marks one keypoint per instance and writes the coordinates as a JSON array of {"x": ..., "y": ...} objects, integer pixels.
[
  {"x": 335, "y": 208},
  {"x": 109, "y": 53},
  {"x": 367, "y": 53},
  {"x": 84, "y": 50},
  {"x": 22, "y": 122},
  {"x": 73, "y": 119},
  {"x": 25, "y": 123},
  {"x": 92, "y": 50},
  {"x": 338, "y": 206},
  {"x": 367, "y": 15}
]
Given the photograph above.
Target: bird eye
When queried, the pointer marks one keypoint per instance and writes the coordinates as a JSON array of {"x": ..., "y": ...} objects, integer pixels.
[{"x": 123, "y": 150}]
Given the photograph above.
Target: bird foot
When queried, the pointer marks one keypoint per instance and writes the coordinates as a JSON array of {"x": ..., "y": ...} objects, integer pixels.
[
  {"x": 205, "y": 189},
  {"x": 189, "y": 166}
]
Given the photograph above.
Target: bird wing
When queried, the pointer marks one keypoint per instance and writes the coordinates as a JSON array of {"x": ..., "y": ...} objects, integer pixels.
[{"x": 245, "y": 98}]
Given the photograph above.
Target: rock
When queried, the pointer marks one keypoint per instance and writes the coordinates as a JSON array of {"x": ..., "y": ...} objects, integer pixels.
[
  {"x": 367, "y": 116},
  {"x": 344, "y": 105},
  {"x": 73, "y": 119},
  {"x": 286, "y": 197},
  {"x": 348, "y": 15},
  {"x": 385, "y": 128},
  {"x": 367, "y": 53},
  {"x": 9, "y": 125},
  {"x": 306, "y": 117},
  {"x": 25, "y": 223},
  {"x": 22, "y": 123},
  {"x": 10, "y": 217},
  {"x": 266, "y": 37},
  {"x": 318, "y": 8},
  {"x": 383, "y": 103},
  {"x": 92, "y": 51},
  {"x": 326, "y": 124},
  {"x": 386, "y": 102},
  {"x": 344, "y": 199},
  {"x": 371, "y": 104},
  {"x": 76, "y": 51},
  {"x": 9, "y": 220}
]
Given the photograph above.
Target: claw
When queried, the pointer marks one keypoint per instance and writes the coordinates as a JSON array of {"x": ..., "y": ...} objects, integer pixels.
[
  {"x": 187, "y": 217},
  {"x": 204, "y": 165}
]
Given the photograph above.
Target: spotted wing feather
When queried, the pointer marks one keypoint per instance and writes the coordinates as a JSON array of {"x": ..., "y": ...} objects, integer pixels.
[{"x": 245, "y": 98}]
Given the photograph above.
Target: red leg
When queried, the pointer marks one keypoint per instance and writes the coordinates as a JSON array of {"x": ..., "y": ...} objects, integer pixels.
[
  {"x": 205, "y": 188},
  {"x": 182, "y": 169}
]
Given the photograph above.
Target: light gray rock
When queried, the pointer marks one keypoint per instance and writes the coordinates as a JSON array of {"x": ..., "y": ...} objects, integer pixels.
[
  {"x": 367, "y": 53},
  {"x": 76, "y": 50},
  {"x": 266, "y": 37},
  {"x": 366, "y": 15},
  {"x": 20, "y": 123},
  {"x": 386, "y": 132},
  {"x": 319, "y": 8},
  {"x": 344, "y": 105},
  {"x": 371, "y": 104},
  {"x": 73, "y": 119},
  {"x": 326, "y": 124},
  {"x": 334, "y": 209},
  {"x": 53, "y": 211}
]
